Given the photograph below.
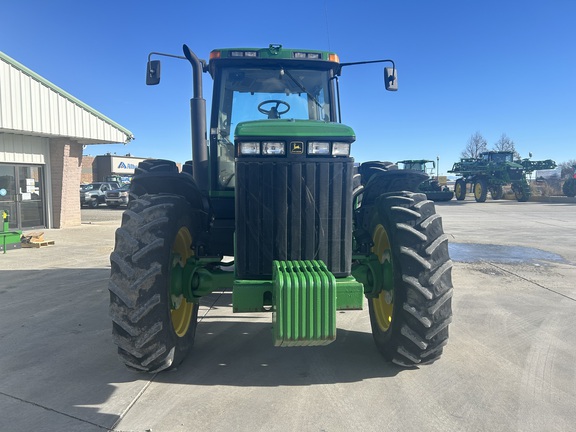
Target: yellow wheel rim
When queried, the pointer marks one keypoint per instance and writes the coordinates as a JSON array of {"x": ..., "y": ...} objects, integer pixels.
[
  {"x": 383, "y": 305},
  {"x": 478, "y": 190},
  {"x": 182, "y": 314},
  {"x": 458, "y": 189}
]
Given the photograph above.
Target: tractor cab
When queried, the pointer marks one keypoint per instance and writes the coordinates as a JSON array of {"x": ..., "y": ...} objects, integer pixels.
[
  {"x": 497, "y": 156},
  {"x": 419, "y": 165},
  {"x": 273, "y": 86}
]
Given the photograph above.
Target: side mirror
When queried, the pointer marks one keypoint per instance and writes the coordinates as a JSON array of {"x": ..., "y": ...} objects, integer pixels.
[
  {"x": 153, "y": 72},
  {"x": 390, "y": 79}
]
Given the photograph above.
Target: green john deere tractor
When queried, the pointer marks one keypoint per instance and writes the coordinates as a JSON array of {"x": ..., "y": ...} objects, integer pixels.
[
  {"x": 430, "y": 186},
  {"x": 273, "y": 185},
  {"x": 493, "y": 170}
]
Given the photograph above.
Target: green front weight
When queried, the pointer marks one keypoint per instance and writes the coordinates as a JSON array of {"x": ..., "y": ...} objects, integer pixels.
[{"x": 304, "y": 295}]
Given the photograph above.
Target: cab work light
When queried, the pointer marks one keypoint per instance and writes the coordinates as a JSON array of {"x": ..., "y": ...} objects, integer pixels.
[
  {"x": 303, "y": 55},
  {"x": 243, "y": 54}
]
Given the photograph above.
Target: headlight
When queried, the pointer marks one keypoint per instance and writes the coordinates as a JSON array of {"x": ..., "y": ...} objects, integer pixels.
[
  {"x": 123, "y": 193},
  {"x": 273, "y": 148},
  {"x": 249, "y": 148},
  {"x": 318, "y": 148},
  {"x": 340, "y": 149}
]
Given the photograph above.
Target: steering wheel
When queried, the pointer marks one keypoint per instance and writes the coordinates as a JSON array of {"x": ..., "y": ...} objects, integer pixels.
[{"x": 273, "y": 112}]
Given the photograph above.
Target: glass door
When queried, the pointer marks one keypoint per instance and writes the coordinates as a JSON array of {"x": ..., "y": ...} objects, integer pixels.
[
  {"x": 8, "y": 195},
  {"x": 31, "y": 204},
  {"x": 21, "y": 195}
]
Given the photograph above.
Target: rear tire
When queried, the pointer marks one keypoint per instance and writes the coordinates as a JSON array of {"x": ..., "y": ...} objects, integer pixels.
[
  {"x": 521, "y": 191},
  {"x": 411, "y": 314},
  {"x": 569, "y": 187},
  {"x": 496, "y": 192},
  {"x": 146, "y": 167},
  {"x": 153, "y": 329}
]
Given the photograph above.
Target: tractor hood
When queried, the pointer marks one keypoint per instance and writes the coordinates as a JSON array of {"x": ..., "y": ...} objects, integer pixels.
[
  {"x": 294, "y": 128},
  {"x": 513, "y": 165}
]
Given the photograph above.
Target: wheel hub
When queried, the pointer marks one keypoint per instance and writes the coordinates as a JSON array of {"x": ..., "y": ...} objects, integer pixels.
[
  {"x": 383, "y": 305},
  {"x": 180, "y": 308}
]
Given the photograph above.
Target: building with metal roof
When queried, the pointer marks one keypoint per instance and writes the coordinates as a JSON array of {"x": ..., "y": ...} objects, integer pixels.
[{"x": 42, "y": 133}]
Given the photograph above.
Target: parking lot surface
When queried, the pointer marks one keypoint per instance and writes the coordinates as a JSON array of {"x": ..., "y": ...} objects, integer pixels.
[{"x": 509, "y": 364}]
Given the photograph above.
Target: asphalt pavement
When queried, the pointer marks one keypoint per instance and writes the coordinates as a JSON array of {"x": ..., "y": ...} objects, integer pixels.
[{"x": 510, "y": 363}]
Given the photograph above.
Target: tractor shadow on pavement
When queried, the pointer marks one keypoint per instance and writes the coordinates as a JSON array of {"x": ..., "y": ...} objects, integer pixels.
[
  {"x": 237, "y": 350},
  {"x": 60, "y": 367},
  {"x": 243, "y": 355}
]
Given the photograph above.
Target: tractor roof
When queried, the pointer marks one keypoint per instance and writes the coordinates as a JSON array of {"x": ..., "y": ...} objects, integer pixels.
[
  {"x": 413, "y": 161},
  {"x": 497, "y": 152},
  {"x": 274, "y": 54}
]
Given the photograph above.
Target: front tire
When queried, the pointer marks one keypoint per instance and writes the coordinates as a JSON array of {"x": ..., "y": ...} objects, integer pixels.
[
  {"x": 153, "y": 328},
  {"x": 460, "y": 189},
  {"x": 480, "y": 190},
  {"x": 412, "y": 310}
]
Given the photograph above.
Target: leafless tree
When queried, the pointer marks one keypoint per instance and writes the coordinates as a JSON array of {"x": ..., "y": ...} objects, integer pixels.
[
  {"x": 506, "y": 144},
  {"x": 567, "y": 168},
  {"x": 476, "y": 145}
]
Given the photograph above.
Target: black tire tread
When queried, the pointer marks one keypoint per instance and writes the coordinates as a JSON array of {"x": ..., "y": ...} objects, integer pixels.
[
  {"x": 139, "y": 305},
  {"x": 424, "y": 290},
  {"x": 462, "y": 195}
]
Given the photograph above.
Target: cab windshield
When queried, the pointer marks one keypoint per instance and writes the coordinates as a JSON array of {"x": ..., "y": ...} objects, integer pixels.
[
  {"x": 247, "y": 94},
  {"x": 498, "y": 157}
]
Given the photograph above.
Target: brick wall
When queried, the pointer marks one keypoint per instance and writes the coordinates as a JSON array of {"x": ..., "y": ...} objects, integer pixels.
[
  {"x": 66, "y": 164},
  {"x": 87, "y": 175}
]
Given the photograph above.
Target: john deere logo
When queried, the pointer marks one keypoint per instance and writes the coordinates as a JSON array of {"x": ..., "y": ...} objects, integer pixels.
[{"x": 296, "y": 147}]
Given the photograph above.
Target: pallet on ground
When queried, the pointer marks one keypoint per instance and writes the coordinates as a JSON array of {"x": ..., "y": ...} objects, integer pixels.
[{"x": 37, "y": 244}]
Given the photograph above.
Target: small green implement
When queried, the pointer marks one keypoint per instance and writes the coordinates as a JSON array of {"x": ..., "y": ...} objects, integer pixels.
[
  {"x": 9, "y": 239},
  {"x": 431, "y": 186}
]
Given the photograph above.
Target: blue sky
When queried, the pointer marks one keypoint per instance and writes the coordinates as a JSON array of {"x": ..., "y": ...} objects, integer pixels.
[{"x": 494, "y": 67}]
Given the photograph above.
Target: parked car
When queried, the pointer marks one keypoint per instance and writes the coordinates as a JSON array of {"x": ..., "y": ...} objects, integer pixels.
[
  {"x": 93, "y": 194},
  {"x": 116, "y": 197}
]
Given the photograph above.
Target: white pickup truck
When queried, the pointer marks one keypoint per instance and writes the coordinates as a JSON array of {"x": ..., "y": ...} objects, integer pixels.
[{"x": 93, "y": 194}]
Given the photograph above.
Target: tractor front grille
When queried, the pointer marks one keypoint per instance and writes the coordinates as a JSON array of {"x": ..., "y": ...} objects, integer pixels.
[{"x": 297, "y": 210}]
